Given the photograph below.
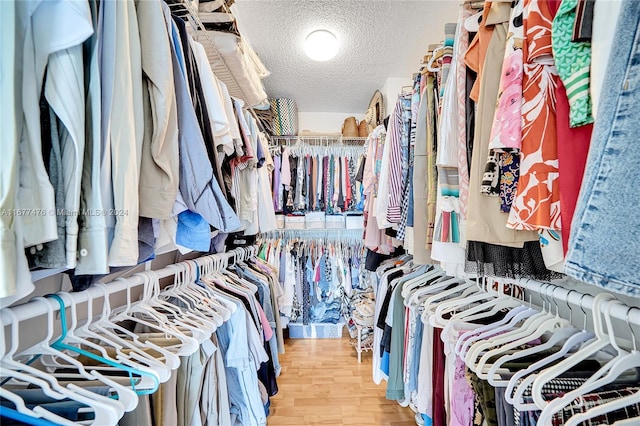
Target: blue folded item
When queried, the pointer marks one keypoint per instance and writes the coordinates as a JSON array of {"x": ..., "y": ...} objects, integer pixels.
[{"x": 193, "y": 231}]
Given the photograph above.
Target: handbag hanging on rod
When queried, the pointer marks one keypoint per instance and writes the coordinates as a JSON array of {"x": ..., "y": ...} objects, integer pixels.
[{"x": 285, "y": 117}]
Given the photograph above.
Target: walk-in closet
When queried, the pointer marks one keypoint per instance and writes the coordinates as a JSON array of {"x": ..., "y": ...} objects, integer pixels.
[{"x": 319, "y": 212}]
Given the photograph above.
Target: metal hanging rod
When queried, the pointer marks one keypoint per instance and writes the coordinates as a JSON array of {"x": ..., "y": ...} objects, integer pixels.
[
  {"x": 30, "y": 310},
  {"x": 584, "y": 301}
]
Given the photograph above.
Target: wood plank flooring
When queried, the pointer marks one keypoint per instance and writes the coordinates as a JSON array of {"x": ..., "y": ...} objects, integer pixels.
[{"x": 322, "y": 384}]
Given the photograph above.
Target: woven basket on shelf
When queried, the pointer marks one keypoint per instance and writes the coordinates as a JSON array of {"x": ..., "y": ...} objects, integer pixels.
[{"x": 350, "y": 128}]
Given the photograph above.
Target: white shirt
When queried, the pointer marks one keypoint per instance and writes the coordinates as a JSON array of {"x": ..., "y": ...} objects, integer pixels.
[
  {"x": 64, "y": 91},
  {"x": 266, "y": 211},
  {"x": 45, "y": 27},
  {"x": 220, "y": 127},
  {"x": 15, "y": 279}
]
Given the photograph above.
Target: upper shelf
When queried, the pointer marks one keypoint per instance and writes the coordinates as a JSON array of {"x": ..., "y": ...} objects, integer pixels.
[
  {"x": 241, "y": 81},
  {"x": 317, "y": 140}
]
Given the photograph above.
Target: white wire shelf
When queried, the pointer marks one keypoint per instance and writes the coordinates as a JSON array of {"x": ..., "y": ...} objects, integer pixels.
[{"x": 199, "y": 32}]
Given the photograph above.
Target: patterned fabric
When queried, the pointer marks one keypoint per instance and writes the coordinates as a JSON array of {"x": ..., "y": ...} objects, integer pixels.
[
  {"x": 461, "y": 93},
  {"x": 506, "y": 131},
  {"x": 509, "y": 164},
  {"x": 395, "y": 138},
  {"x": 306, "y": 287},
  {"x": 448, "y": 226},
  {"x": 581, "y": 405},
  {"x": 573, "y": 60},
  {"x": 485, "y": 407},
  {"x": 406, "y": 136},
  {"x": 285, "y": 117},
  {"x": 491, "y": 177},
  {"x": 537, "y": 201}
]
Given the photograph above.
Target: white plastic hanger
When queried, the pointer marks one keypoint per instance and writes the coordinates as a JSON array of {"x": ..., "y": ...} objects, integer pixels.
[
  {"x": 432, "y": 59},
  {"x": 455, "y": 304},
  {"x": 480, "y": 347},
  {"x": 417, "y": 281},
  {"x": 489, "y": 308},
  {"x": 551, "y": 325},
  {"x": 472, "y": 23},
  {"x": 529, "y": 374},
  {"x": 601, "y": 342},
  {"x": 431, "y": 302},
  {"x": 604, "y": 376},
  {"x": 207, "y": 296},
  {"x": 420, "y": 289},
  {"x": 109, "y": 411},
  {"x": 153, "y": 320},
  {"x": 517, "y": 398},
  {"x": 118, "y": 337},
  {"x": 617, "y": 404},
  {"x": 44, "y": 385},
  {"x": 514, "y": 316},
  {"x": 136, "y": 358},
  {"x": 557, "y": 337},
  {"x": 200, "y": 327},
  {"x": 126, "y": 395}
]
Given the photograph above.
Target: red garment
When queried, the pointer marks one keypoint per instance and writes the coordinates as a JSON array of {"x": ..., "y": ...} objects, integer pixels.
[
  {"x": 439, "y": 412},
  {"x": 573, "y": 148}
]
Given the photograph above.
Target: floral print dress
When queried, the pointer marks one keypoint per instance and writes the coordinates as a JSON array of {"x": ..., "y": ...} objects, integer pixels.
[{"x": 537, "y": 201}]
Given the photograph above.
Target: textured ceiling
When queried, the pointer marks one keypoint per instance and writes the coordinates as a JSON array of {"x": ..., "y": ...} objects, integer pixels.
[{"x": 378, "y": 39}]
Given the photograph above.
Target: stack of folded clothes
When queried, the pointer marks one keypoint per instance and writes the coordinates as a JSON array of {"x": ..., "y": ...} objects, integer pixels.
[{"x": 360, "y": 312}]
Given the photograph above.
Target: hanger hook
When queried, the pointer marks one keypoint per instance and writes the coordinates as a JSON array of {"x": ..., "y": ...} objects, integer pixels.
[
  {"x": 569, "y": 305},
  {"x": 584, "y": 324},
  {"x": 555, "y": 301}
]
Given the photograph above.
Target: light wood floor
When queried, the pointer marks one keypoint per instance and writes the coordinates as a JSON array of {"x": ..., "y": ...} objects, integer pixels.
[{"x": 323, "y": 384}]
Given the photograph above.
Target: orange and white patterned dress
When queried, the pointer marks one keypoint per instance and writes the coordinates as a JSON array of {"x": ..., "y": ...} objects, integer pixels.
[{"x": 537, "y": 201}]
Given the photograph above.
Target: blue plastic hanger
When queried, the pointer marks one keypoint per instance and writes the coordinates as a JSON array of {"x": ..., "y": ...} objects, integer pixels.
[{"x": 60, "y": 345}]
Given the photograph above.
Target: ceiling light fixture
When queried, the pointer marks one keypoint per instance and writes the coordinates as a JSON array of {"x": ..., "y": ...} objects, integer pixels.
[{"x": 321, "y": 45}]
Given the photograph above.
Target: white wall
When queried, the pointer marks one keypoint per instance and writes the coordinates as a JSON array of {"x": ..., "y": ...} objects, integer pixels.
[
  {"x": 325, "y": 122},
  {"x": 390, "y": 91}
]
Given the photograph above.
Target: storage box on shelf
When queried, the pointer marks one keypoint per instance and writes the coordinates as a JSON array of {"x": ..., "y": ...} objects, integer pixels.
[
  {"x": 315, "y": 330},
  {"x": 354, "y": 221},
  {"x": 314, "y": 220},
  {"x": 294, "y": 222},
  {"x": 335, "y": 221}
]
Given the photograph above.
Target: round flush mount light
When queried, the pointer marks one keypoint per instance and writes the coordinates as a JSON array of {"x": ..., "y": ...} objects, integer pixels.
[{"x": 321, "y": 45}]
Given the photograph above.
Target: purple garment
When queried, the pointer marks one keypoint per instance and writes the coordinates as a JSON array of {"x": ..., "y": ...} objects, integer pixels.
[
  {"x": 277, "y": 205},
  {"x": 462, "y": 397}
]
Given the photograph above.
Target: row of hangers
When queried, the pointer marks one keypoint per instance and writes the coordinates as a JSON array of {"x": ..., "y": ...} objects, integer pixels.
[
  {"x": 129, "y": 364},
  {"x": 301, "y": 149},
  {"x": 317, "y": 242},
  {"x": 485, "y": 349}
]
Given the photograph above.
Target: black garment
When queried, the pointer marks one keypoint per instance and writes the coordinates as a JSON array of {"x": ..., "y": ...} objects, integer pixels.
[
  {"x": 583, "y": 25},
  {"x": 374, "y": 259},
  {"x": 511, "y": 262},
  {"x": 387, "y": 299},
  {"x": 267, "y": 373},
  {"x": 470, "y": 114}
]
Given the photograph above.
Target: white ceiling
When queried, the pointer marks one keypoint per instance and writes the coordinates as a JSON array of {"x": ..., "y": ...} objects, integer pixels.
[{"x": 379, "y": 39}]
